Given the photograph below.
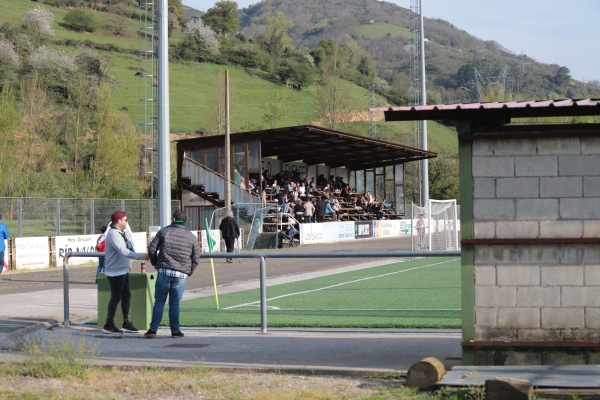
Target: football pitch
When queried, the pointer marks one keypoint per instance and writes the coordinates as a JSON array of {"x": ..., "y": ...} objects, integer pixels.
[{"x": 418, "y": 293}]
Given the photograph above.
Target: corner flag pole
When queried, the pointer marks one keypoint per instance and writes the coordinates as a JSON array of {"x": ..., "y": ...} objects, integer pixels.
[{"x": 211, "y": 243}]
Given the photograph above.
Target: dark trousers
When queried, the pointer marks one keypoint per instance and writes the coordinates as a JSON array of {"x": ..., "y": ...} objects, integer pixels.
[
  {"x": 119, "y": 292},
  {"x": 1, "y": 261},
  {"x": 229, "y": 244}
]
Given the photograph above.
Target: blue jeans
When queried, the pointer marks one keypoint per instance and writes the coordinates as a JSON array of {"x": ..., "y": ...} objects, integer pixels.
[
  {"x": 1, "y": 261},
  {"x": 172, "y": 287},
  {"x": 100, "y": 266}
]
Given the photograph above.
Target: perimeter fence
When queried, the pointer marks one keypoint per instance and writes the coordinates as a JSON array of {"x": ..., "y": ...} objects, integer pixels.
[{"x": 37, "y": 216}]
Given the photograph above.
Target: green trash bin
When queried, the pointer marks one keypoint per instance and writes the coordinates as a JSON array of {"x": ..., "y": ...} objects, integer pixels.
[{"x": 142, "y": 300}]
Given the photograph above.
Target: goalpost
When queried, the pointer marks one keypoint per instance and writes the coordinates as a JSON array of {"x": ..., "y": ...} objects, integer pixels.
[{"x": 435, "y": 227}]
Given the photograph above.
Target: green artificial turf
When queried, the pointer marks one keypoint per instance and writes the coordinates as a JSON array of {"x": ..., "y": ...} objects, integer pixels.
[{"x": 422, "y": 293}]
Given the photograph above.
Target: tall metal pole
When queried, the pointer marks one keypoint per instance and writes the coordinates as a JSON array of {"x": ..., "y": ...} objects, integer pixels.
[
  {"x": 227, "y": 145},
  {"x": 164, "y": 126},
  {"x": 425, "y": 164}
]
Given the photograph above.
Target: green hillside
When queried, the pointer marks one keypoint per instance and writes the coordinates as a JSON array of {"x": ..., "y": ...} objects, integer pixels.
[{"x": 69, "y": 133}]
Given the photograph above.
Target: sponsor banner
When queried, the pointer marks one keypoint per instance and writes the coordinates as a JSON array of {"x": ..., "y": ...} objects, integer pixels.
[
  {"x": 32, "y": 252},
  {"x": 81, "y": 243},
  {"x": 386, "y": 228},
  {"x": 216, "y": 235},
  {"x": 405, "y": 227},
  {"x": 312, "y": 233},
  {"x": 363, "y": 229},
  {"x": 344, "y": 231}
]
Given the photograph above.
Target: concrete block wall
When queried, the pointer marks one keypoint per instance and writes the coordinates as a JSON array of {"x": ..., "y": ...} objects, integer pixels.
[{"x": 545, "y": 194}]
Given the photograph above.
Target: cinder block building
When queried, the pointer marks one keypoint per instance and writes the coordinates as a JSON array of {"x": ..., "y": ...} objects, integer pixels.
[{"x": 530, "y": 226}]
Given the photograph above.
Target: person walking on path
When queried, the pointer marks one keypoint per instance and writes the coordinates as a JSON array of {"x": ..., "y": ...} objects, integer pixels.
[
  {"x": 174, "y": 252},
  {"x": 230, "y": 231},
  {"x": 119, "y": 253},
  {"x": 4, "y": 234}
]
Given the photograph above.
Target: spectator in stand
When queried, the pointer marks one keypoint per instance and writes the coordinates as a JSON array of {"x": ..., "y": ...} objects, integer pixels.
[
  {"x": 346, "y": 193},
  {"x": 377, "y": 209},
  {"x": 237, "y": 176},
  {"x": 312, "y": 187},
  {"x": 328, "y": 209},
  {"x": 302, "y": 190},
  {"x": 299, "y": 211},
  {"x": 321, "y": 180},
  {"x": 327, "y": 191},
  {"x": 363, "y": 203},
  {"x": 309, "y": 210},
  {"x": 320, "y": 209},
  {"x": 275, "y": 188},
  {"x": 243, "y": 184},
  {"x": 288, "y": 187},
  {"x": 295, "y": 195},
  {"x": 335, "y": 207},
  {"x": 282, "y": 202},
  {"x": 388, "y": 206}
]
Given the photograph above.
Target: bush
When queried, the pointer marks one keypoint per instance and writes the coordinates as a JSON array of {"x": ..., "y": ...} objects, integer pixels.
[{"x": 79, "y": 20}]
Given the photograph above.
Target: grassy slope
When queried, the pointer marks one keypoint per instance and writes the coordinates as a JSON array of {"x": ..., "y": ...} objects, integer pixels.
[{"x": 192, "y": 86}]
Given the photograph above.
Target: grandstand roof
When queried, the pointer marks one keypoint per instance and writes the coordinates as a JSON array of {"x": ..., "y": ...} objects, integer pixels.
[
  {"x": 316, "y": 145},
  {"x": 498, "y": 113}
]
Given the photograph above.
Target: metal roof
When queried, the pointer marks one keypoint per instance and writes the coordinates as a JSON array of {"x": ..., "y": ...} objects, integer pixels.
[
  {"x": 494, "y": 112},
  {"x": 315, "y": 145}
]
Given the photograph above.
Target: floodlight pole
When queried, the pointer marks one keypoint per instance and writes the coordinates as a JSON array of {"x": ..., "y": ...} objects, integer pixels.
[
  {"x": 164, "y": 149},
  {"x": 424, "y": 162},
  {"x": 227, "y": 145}
]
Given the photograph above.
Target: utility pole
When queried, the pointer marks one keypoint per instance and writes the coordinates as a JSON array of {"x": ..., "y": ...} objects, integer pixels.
[
  {"x": 372, "y": 126},
  {"x": 164, "y": 125}
]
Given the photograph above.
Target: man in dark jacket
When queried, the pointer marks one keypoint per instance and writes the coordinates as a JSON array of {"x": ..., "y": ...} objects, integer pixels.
[
  {"x": 229, "y": 231},
  {"x": 174, "y": 252},
  {"x": 320, "y": 209}
]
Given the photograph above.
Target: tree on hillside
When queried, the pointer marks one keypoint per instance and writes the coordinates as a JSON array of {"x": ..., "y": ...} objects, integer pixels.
[
  {"x": 200, "y": 45},
  {"x": 562, "y": 77},
  {"x": 333, "y": 95},
  {"x": 113, "y": 170},
  {"x": 40, "y": 19},
  {"x": 274, "y": 40},
  {"x": 223, "y": 18},
  {"x": 275, "y": 111},
  {"x": 443, "y": 177},
  {"x": 79, "y": 20},
  {"x": 9, "y": 120},
  {"x": 10, "y": 61}
]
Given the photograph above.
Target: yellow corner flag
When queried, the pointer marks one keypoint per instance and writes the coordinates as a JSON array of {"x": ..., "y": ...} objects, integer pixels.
[{"x": 211, "y": 245}]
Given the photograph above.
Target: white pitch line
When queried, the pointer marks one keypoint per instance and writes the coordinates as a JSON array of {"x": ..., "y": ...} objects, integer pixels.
[{"x": 338, "y": 284}]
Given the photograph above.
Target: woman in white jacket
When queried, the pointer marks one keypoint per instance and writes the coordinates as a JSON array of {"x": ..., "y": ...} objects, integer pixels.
[{"x": 119, "y": 253}]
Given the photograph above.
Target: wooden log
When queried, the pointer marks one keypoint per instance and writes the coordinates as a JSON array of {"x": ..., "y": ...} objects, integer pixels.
[
  {"x": 425, "y": 374},
  {"x": 508, "y": 389}
]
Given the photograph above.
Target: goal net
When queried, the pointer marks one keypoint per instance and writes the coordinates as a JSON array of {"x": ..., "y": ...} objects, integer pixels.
[{"x": 435, "y": 227}]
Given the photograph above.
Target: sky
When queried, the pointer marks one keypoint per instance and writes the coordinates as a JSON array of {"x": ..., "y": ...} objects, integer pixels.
[{"x": 562, "y": 32}]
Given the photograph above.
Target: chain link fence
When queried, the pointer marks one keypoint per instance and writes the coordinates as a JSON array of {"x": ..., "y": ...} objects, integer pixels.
[{"x": 34, "y": 216}]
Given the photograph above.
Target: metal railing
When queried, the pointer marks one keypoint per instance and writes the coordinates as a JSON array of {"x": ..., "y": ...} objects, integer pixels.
[
  {"x": 263, "y": 268},
  {"x": 215, "y": 182}
]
